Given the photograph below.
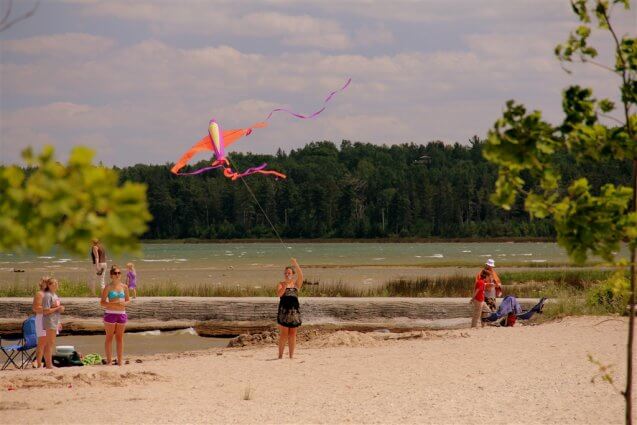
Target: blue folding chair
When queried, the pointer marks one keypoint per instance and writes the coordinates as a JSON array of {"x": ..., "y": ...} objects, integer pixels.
[{"x": 22, "y": 354}]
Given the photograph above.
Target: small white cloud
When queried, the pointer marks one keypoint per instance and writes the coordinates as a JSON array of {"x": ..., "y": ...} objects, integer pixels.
[
  {"x": 69, "y": 44},
  {"x": 295, "y": 30},
  {"x": 238, "y": 20},
  {"x": 368, "y": 36}
]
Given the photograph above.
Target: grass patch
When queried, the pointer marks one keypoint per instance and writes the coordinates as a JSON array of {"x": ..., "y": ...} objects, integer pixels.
[
  {"x": 67, "y": 289},
  {"x": 607, "y": 297},
  {"x": 561, "y": 307},
  {"x": 568, "y": 277},
  {"x": 572, "y": 284}
]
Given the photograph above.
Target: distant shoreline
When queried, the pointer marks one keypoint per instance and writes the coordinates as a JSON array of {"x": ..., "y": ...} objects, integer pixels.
[{"x": 353, "y": 240}]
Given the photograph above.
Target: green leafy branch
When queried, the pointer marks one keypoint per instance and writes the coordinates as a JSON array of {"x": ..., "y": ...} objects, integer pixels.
[{"x": 51, "y": 204}]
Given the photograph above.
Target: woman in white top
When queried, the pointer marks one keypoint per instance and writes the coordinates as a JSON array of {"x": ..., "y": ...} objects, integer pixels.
[
  {"x": 39, "y": 326},
  {"x": 51, "y": 311}
]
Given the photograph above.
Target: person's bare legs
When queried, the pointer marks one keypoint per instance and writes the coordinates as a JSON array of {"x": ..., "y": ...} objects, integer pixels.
[
  {"x": 119, "y": 341},
  {"x": 477, "y": 312},
  {"x": 39, "y": 351},
  {"x": 291, "y": 341},
  {"x": 283, "y": 337},
  {"x": 108, "y": 345},
  {"x": 48, "y": 347}
]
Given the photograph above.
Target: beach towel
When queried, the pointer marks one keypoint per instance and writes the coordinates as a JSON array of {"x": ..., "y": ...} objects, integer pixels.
[{"x": 92, "y": 359}]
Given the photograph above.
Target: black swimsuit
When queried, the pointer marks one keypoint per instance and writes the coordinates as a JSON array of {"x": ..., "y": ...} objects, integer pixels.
[{"x": 289, "y": 313}]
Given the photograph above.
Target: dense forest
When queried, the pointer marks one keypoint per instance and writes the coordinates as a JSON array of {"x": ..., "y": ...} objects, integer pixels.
[{"x": 357, "y": 190}]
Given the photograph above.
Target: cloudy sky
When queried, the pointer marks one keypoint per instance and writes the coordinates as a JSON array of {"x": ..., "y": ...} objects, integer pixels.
[{"x": 138, "y": 81}]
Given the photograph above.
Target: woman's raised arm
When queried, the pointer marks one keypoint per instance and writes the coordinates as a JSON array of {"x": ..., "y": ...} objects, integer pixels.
[{"x": 299, "y": 273}]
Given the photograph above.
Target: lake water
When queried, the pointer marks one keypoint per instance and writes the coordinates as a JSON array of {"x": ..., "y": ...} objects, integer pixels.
[{"x": 259, "y": 264}]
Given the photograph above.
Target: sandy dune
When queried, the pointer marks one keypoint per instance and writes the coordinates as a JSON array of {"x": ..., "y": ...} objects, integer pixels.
[{"x": 531, "y": 374}]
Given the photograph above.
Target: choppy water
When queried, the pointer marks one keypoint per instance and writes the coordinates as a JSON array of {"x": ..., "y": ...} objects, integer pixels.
[{"x": 262, "y": 263}]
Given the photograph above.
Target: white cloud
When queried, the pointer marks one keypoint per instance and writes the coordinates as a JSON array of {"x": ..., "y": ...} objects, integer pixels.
[
  {"x": 162, "y": 96},
  {"x": 69, "y": 44},
  {"x": 432, "y": 11},
  {"x": 150, "y": 99},
  {"x": 378, "y": 35},
  {"x": 197, "y": 17},
  {"x": 302, "y": 30}
]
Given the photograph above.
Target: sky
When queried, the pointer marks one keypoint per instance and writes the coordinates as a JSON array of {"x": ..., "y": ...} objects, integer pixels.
[{"x": 139, "y": 81}]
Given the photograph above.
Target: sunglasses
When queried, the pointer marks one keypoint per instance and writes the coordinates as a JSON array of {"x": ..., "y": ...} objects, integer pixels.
[{"x": 118, "y": 273}]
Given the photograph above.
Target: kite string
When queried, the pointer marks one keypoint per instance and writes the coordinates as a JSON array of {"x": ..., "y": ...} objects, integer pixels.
[{"x": 260, "y": 207}]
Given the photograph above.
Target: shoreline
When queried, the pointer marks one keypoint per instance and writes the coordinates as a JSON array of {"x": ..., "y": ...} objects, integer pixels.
[{"x": 499, "y": 239}]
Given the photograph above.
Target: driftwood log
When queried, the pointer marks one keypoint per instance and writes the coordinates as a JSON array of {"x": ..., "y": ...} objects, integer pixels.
[{"x": 222, "y": 316}]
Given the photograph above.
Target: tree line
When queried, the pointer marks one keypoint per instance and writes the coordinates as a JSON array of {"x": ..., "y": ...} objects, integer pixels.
[{"x": 355, "y": 190}]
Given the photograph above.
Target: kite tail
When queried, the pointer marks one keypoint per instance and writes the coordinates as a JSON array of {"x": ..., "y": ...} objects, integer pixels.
[
  {"x": 216, "y": 164},
  {"x": 233, "y": 175},
  {"x": 199, "y": 171},
  {"x": 297, "y": 115}
]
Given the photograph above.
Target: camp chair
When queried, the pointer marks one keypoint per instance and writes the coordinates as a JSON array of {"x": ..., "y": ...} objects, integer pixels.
[{"x": 22, "y": 354}]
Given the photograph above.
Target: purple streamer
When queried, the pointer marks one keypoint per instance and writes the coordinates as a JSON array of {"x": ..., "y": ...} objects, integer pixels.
[
  {"x": 297, "y": 115},
  {"x": 251, "y": 170},
  {"x": 200, "y": 171}
]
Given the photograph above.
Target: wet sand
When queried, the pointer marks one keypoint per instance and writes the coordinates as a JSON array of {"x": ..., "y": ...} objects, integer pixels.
[
  {"x": 146, "y": 343},
  {"x": 525, "y": 374}
]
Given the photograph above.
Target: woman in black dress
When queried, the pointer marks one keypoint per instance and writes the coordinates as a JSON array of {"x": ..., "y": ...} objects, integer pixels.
[{"x": 289, "y": 316}]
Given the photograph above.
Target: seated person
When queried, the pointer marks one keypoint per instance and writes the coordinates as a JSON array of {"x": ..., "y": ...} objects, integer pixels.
[{"x": 510, "y": 310}]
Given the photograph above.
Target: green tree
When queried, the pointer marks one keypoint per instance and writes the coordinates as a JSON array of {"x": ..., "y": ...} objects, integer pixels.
[
  {"x": 68, "y": 205},
  {"x": 589, "y": 220}
]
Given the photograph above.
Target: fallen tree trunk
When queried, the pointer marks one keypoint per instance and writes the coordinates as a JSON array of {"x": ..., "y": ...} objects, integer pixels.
[
  {"x": 234, "y": 316},
  {"x": 259, "y": 308}
]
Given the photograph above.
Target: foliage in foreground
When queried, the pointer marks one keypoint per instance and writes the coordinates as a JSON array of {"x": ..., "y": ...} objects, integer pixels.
[
  {"x": 588, "y": 220},
  {"x": 53, "y": 204}
]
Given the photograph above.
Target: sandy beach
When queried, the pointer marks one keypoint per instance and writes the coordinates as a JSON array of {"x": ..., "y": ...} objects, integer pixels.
[{"x": 526, "y": 374}]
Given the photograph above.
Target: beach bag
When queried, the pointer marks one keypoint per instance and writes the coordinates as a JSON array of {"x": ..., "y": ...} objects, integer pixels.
[{"x": 67, "y": 359}]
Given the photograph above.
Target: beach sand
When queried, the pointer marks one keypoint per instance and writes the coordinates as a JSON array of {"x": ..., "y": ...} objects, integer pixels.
[{"x": 525, "y": 374}]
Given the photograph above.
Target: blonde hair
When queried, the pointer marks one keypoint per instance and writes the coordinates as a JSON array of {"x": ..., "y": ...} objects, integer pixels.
[
  {"x": 130, "y": 266},
  {"x": 49, "y": 282},
  {"x": 44, "y": 282}
]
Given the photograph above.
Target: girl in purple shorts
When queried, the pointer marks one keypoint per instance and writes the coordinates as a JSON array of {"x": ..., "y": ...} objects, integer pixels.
[{"x": 114, "y": 299}]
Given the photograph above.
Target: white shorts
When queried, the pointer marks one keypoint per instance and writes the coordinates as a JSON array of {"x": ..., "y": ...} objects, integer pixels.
[
  {"x": 102, "y": 278},
  {"x": 39, "y": 327}
]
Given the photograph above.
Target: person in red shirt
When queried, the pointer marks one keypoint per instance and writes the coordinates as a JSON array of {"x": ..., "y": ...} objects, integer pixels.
[
  {"x": 489, "y": 267},
  {"x": 478, "y": 298}
]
